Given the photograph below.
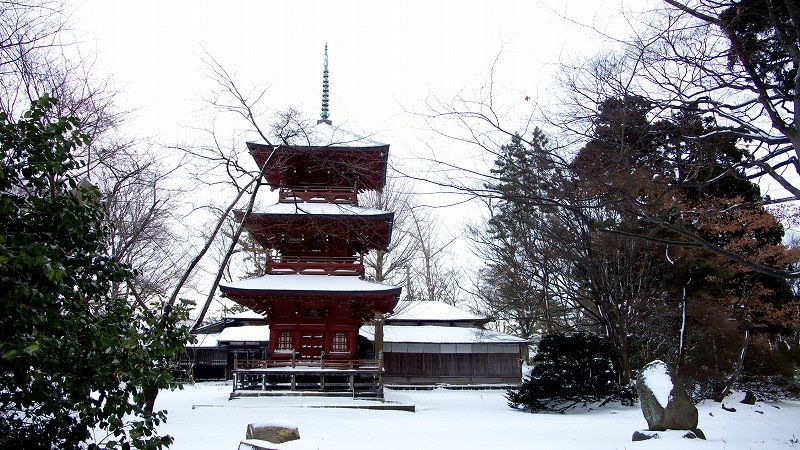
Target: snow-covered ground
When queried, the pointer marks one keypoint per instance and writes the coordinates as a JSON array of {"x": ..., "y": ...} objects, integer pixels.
[{"x": 202, "y": 418}]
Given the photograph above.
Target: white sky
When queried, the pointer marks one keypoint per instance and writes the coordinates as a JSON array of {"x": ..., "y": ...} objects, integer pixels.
[
  {"x": 386, "y": 61},
  {"x": 386, "y": 58}
]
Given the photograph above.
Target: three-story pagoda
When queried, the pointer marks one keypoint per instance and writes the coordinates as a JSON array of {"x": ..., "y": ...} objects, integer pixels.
[{"x": 314, "y": 293}]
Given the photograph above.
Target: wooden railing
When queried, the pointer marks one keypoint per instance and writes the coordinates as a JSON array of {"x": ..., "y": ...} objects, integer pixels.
[
  {"x": 341, "y": 364},
  {"x": 346, "y": 265},
  {"x": 318, "y": 195}
]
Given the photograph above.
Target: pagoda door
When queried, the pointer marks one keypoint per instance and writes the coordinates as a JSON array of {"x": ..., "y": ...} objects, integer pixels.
[{"x": 312, "y": 339}]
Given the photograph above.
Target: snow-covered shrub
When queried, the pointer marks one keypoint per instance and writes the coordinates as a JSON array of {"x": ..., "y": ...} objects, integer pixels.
[{"x": 570, "y": 370}]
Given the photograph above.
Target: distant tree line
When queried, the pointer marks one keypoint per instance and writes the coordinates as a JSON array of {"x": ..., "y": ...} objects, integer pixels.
[{"x": 550, "y": 269}]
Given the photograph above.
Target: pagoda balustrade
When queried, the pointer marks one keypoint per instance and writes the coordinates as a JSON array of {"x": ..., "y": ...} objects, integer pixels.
[
  {"x": 362, "y": 377},
  {"x": 346, "y": 364},
  {"x": 323, "y": 265},
  {"x": 326, "y": 194}
]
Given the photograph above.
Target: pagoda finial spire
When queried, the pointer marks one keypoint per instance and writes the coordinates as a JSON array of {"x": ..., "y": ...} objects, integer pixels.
[{"x": 325, "y": 90}]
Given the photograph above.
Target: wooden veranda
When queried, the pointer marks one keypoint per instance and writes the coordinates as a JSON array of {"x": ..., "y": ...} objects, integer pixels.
[{"x": 356, "y": 377}]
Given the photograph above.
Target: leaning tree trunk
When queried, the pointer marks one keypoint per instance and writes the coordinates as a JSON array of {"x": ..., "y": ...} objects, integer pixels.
[{"x": 231, "y": 248}]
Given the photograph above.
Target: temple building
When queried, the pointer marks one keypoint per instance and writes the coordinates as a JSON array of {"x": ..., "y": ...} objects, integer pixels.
[{"x": 313, "y": 310}]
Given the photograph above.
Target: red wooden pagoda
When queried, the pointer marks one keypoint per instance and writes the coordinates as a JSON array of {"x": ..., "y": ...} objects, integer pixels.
[{"x": 314, "y": 293}]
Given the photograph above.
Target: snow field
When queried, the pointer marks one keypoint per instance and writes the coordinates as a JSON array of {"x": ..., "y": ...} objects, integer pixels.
[{"x": 202, "y": 418}]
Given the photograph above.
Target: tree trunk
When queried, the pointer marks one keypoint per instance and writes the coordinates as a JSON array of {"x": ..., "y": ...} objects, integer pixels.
[
  {"x": 207, "y": 245},
  {"x": 150, "y": 394},
  {"x": 682, "y": 333},
  {"x": 737, "y": 370},
  {"x": 625, "y": 373}
]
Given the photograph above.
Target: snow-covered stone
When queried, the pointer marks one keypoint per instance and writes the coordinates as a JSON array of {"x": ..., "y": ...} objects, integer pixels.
[
  {"x": 644, "y": 435},
  {"x": 749, "y": 398},
  {"x": 258, "y": 444},
  {"x": 665, "y": 403}
]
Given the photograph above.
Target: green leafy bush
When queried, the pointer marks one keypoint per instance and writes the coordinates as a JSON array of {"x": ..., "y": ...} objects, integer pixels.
[
  {"x": 570, "y": 370},
  {"x": 76, "y": 360}
]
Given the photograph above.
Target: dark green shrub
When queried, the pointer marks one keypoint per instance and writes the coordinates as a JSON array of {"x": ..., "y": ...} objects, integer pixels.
[{"x": 570, "y": 370}]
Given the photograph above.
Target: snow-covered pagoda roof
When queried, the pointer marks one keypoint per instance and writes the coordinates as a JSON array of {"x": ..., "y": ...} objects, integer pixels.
[
  {"x": 321, "y": 209},
  {"x": 440, "y": 335},
  {"x": 244, "y": 315},
  {"x": 325, "y": 134},
  {"x": 318, "y": 284},
  {"x": 324, "y": 154},
  {"x": 433, "y": 311}
]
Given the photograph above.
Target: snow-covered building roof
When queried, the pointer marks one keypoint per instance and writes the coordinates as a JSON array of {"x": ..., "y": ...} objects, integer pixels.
[
  {"x": 250, "y": 333},
  {"x": 432, "y": 311},
  {"x": 310, "y": 283},
  {"x": 440, "y": 335},
  {"x": 208, "y": 340},
  {"x": 320, "y": 209}
]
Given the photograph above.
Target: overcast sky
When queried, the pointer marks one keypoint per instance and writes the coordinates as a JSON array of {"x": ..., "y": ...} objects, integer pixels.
[{"x": 387, "y": 60}]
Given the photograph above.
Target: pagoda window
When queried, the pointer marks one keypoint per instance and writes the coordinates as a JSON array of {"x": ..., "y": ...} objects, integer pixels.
[
  {"x": 285, "y": 341},
  {"x": 340, "y": 343}
]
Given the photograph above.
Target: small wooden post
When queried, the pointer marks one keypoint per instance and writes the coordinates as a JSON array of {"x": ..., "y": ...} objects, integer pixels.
[
  {"x": 380, "y": 376},
  {"x": 294, "y": 382},
  {"x": 379, "y": 319}
]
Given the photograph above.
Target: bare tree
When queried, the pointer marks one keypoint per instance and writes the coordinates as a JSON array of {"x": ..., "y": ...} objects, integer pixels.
[
  {"x": 389, "y": 265},
  {"x": 729, "y": 62},
  {"x": 143, "y": 209},
  {"x": 431, "y": 276},
  {"x": 35, "y": 61}
]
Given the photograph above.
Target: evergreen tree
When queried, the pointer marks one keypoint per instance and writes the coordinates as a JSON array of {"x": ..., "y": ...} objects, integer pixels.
[
  {"x": 77, "y": 361},
  {"x": 675, "y": 178},
  {"x": 570, "y": 370},
  {"x": 515, "y": 284}
]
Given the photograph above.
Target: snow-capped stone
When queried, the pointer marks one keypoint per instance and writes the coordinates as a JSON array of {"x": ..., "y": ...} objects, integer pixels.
[{"x": 665, "y": 403}]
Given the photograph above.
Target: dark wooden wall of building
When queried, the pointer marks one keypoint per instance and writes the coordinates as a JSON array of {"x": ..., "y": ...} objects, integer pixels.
[{"x": 455, "y": 368}]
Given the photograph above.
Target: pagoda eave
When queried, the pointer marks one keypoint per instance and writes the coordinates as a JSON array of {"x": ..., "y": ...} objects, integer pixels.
[
  {"x": 275, "y": 304},
  {"x": 280, "y": 230},
  {"x": 233, "y": 293},
  {"x": 362, "y": 167}
]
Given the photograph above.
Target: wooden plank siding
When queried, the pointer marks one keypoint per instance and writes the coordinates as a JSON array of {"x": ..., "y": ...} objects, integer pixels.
[{"x": 455, "y": 368}]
